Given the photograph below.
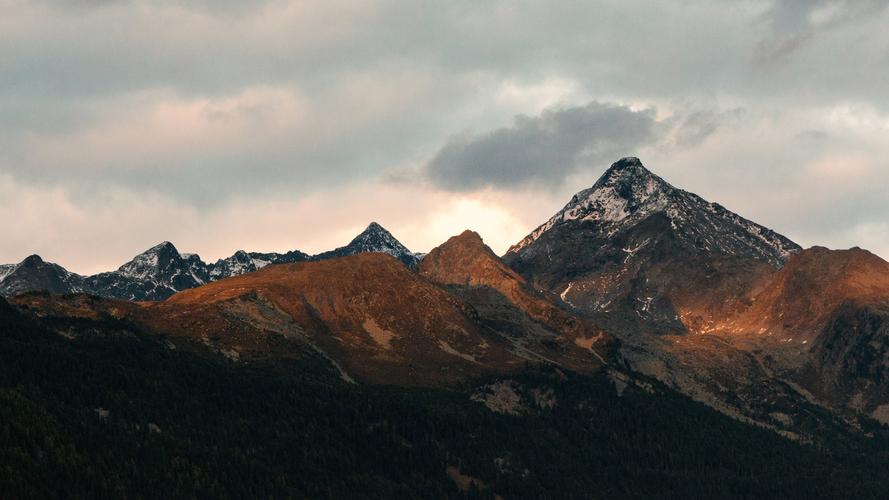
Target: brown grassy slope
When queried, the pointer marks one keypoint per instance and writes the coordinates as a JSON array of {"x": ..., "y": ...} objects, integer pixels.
[
  {"x": 379, "y": 320},
  {"x": 814, "y": 283}
]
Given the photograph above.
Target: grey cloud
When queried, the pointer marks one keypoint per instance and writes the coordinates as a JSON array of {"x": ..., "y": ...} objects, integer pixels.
[
  {"x": 775, "y": 50},
  {"x": 213, "y": 6},
  {"x": 542, "y": 150},
  {"x": 611, "y": 47},
  {"x": 690, "y": 128},
  {"x": 795, "y": 23}
]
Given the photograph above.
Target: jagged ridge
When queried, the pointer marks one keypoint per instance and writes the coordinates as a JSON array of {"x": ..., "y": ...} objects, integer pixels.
[{"x": 162, "y": 271}]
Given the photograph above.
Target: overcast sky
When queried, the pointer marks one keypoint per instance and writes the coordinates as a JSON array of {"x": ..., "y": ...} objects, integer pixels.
[{"x": 291, "y": 125}]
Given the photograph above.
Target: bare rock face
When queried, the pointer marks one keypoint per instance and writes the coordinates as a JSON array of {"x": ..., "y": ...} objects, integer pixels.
[
  {"x": 506, "y": 303},
  {"x": 465, "y": 260}
]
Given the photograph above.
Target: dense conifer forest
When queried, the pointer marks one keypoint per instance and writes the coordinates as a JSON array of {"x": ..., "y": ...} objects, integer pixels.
[{"x": 109, "y": 412}]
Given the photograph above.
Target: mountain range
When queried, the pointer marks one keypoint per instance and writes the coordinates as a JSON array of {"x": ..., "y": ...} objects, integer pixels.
[
  {"x": 643, "y": 284},
  {"x": 161, "y": 271}
]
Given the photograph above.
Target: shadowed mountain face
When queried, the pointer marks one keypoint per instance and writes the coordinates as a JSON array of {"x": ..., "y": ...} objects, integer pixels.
[
  {"x": 35, "y": 274},
  {"x": 155, "y": 274}
]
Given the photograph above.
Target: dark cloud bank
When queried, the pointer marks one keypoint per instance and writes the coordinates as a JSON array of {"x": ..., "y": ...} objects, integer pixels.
[{"x": 542, "y": 149}]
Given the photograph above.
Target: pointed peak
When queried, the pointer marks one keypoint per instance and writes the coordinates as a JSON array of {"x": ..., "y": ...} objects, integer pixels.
[
  {"x": 375, "y": 238},
  {"x": 148, "y": 263},
  {"x": 374, "y": 227},
  {"x": 627, "y": 190},
  {"x": 628, "y": 194},
  {"x": 627, "y": 170},
  {"x": 627, "y": 161},
  {"x": 466, "y": 240},
  {"x": 375, "y": 234},
  {"x": 467, "y": 243},
  {"x": 467, "y": 237},
  {"x": 623, "y": 190},
  {"x": 466, "y": 260},
  {"x": 32, "y": 260},
  {"x": 164, "y": 246},
  {"x": 192, "y": 257}
]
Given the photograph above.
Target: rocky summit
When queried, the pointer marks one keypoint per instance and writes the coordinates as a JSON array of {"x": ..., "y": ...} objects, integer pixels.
[{"x": 375, "y": 238}]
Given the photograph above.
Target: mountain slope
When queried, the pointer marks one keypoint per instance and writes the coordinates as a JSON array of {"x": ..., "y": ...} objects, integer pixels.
[
  {"x": 369, "y": 315},
  {"x": 813, "y": 284},
  {"x": 824, "y": 321},
  {"x": 239, "y": 263},
  {"x": 5, "y": 269},
  {"x": 781, "y": 335},
  {"x": 376, "y": 319},
  {"x": 652, "y": 264},
  {"x": 628, "y": 193},
  {"x": 635, "y": 245}
]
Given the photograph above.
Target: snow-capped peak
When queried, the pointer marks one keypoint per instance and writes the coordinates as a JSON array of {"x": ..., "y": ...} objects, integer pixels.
[
  {"x": 239, "y": 263},
  {"x": 377, "y": 239},
  {"x": 628, "y": 193},
  {"x": 151, "y": 262},
  {"x": 626, "y": 190}
]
